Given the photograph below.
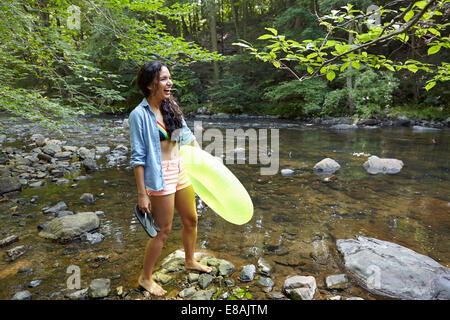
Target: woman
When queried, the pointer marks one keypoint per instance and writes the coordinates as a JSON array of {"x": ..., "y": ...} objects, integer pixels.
[{"x": 157, "y": 130}]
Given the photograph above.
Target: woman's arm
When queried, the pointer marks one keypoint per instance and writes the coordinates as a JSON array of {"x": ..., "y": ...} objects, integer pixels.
[{"x": 139, "y": 176}]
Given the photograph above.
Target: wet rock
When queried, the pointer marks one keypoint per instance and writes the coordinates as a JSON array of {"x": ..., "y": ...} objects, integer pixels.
[
  {"x": 8, "y": 183},
  {"x": 229, "y": 282},
  {"x": 338, "y": 281},
  {"x": 38, "y": 138},
  {"x": 71, "y": 226},
  {"x": 87, "y": 198},
  {"x": 60, "y": 206},
  {"x": 92, "y": 238},
  {"x": 8, "y": 240},
  {"x": 90, "y": 165},
  {"x": 392, "y": 270},
  {"x": 37, "y": 184},
  {"x": 22, "y": 295},
  {"x": 51, "y": 149},
  {"x": 300, "y": 287},
  {"x": 193, "y": 277},
  {"x": 276, "y": 296},
  {"x": 226, "y": 268},
  {"x": 326, "y": 165},
  {"x": 264, "y": 267},
  {"x": 424, "y": 129},
  {"x": 16, "y": 252},
  {"x": 34, "y": 283},
  {"x": 186, "y": 293},
  {"x": 287, "y": 172},
  {"x": 78, "y": 295},
  {"x": 85, "y": 153},
  {"x": 102, "y": 150},
  {"x": 247, "y": 273},
  {"x": 99, "y": 288},
  {"x": 344, "y": 127},
  {"x": 204, "y": 280},
  {"x": 65, "y": 155},
  {"x": 44, "y": 157},
  {"x": 376, "y": 165},
  {"x": 162, "y": 277},
  {"x": 267, "y": 283},
  {"x": 202, "y": 295}
]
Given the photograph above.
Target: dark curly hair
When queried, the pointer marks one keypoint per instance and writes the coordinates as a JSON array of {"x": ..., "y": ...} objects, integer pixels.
[{"x": 171, "y": 113}]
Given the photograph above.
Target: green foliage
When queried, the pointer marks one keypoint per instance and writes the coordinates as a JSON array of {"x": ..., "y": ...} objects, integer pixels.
[
  {"x": 231, "y": 94},
  {"x": 240, "y": 294},
  {"x": 371, "y": 93},
  {"x": 294, "y": 98},
  {"x": 188, "y": 88},
  {"x": 328, "y": 56}
]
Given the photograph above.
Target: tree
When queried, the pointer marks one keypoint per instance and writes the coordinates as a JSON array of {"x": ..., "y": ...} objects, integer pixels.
[{"x": 326, "y": 56}]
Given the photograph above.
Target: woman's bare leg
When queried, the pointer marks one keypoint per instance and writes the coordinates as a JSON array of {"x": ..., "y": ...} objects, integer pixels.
[
  {"x": 162, "y": 209},
  {"x": 185, "y": 204}
]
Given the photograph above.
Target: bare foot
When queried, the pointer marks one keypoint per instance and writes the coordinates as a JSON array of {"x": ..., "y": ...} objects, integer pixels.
[
  {"x": 151, "y": 286},
  {"x": 195, "y": 266}
]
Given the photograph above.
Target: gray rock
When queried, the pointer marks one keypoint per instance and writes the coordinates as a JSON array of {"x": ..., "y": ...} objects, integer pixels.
[
  {"x": 226, "y": 268},
  {"x": 71, "y": 226},
  {"x": 60, "y": 206},
  {"x": 375, "y": 165},
  {"x": 78, "y": 295},
  {"x": 92, "y": 238},
  {"x": 300, "y": 287},
  {"x": 204, "y": 280},
  {"x": 193, "y": 277},
  {"x": 87, "y": 198},
  {"x": 344, "y": 127},
  {"x": 162, "y": 277},
  {"x": 85, "y": 153},
  {"x": 424, "y": 129},
  {"x": 264, "y": 267},
  {"x": 287, "y": 172},
  {"x": 90, "y": 165},
  {"x": 102, "y": 150},
  {"x": 326, "y": 165},
  {"x": 51, "y": 149},
  {"x": 65, "y": 155},
  {"x": 44, "y": 157},
  {"x": 8, "y": 183},
  {"x": 186, "y": 293},
  {"x": 338, "y": 281},
  {"x": 266, "y": 282},
  {"x": 247, "y": 273},
  {"x": 34, "y": 283},
  {"x": 8, "y": 240},
  {"x": 99, "y": 288},
  {"x": 22, "y": 295},
  {"x": 388, "y": 269},
  {"x": 37, "y": 184},
  {"x": 202, "y": 295},
  {"x": 16, "y": 252}
]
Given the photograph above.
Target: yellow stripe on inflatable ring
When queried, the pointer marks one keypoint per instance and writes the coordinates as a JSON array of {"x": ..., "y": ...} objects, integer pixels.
[{"x": 217, "y": 186}]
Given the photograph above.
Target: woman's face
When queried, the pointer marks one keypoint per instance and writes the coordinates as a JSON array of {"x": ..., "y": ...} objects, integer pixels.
[{"x": 164, "y": 84}]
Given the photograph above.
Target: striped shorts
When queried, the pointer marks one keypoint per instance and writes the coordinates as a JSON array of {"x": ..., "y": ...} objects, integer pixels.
[{"x": 175, "y": 178}]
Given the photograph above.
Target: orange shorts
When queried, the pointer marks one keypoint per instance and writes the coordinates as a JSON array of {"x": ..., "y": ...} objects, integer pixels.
[{"x": 175, "y": 178}]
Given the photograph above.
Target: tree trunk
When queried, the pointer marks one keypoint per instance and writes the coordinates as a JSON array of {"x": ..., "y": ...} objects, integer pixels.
[
  {"x": 350, "y": 101},
  {"x": 244, "y": 18},
  {"x": 235, "y": 12},
  {"x": 212, "y": 18}
]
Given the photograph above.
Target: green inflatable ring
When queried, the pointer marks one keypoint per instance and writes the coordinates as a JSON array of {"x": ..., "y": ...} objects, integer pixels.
[{"x": 216, "y": 185}]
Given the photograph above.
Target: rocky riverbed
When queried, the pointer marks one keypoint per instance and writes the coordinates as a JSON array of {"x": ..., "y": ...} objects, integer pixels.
[{"x": 54, "y": 220}]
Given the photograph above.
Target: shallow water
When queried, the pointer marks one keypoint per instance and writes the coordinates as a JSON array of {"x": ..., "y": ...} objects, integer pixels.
[{"x": 296, "y": 218}]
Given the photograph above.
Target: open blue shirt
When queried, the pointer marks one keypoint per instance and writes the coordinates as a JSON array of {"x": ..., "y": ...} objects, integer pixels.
[{"x": 146, "y": 147}]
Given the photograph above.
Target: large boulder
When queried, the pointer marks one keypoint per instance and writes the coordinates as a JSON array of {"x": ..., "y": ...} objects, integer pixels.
[
  {"x": 375, "y": 165},
  {"x": 70, "y": 226},
  {"x": 326, "y": 165},
  {"x": 388, "y": 269}
]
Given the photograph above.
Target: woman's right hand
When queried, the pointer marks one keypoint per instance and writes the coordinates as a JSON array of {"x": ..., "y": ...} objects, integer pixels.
[{"x": 144, "y": 203}]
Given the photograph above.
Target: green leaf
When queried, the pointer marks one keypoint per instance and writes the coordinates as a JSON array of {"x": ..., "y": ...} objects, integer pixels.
[
  {"x": 331, "y": 75},
  {"x": 420, "y": 4},
  {"x": 355, "y": 64},
  {"x": 275, "y": 32},
  {"x": 388, "y": 66},
  {"x": 433, "y": 49},
  {"x": 310, "y": 70},
  {"x": 265, "y": 36},
  {"x": 408, "y": 15},
  {"x": 412, "y": 67},
  {"x": 277, "y": 64},
  {"x": 430, "y": 85},
  {"x": 344, "y": 66}
]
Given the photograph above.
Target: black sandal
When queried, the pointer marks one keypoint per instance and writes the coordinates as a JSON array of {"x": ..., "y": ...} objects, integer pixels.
[{"x": 147, "y": 222}]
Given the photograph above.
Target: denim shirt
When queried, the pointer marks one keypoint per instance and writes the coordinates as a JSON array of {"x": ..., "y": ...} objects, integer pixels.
[{"x": 146, "y": 146}]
